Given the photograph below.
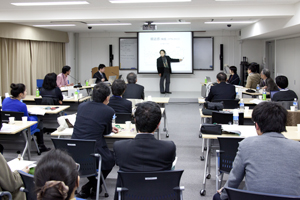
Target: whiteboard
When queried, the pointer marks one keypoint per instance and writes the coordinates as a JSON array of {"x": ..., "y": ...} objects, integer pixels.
[
  {"x": 128, "y": 53},
  {"x": 203, "y": 53}
]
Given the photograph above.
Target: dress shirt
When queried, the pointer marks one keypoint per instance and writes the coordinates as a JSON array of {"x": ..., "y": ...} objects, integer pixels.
[{"x": 61, "y": 80}]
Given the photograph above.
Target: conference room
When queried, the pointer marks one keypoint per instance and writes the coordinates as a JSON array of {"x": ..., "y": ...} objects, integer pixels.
[{"x": 214, "y": 35}]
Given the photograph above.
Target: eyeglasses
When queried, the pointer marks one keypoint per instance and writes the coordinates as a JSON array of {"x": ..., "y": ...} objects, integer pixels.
[{"x": 77, "y": 166}]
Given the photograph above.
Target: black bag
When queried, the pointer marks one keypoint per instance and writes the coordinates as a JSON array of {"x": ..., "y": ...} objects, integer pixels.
[
  {"x": 214, "y": 105},
  {"x": 213, "y": 129}
]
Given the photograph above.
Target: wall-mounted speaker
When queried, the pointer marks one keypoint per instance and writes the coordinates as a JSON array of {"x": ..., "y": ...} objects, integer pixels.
[
  {"x": 221, "y": 57},
  {"x": 111, "y": 56}
]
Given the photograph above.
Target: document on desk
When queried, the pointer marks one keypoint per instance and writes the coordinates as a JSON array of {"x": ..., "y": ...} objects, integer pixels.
[
  {"x": 256, "y": 101},
  {"x": 8, "y": 128},
  {"x": 37, "y": 111},
  {"x": 243, "y": 131},
  {"x": 17, "y": 164}
]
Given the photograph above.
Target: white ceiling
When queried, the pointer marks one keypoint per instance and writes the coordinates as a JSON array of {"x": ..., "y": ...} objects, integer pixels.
[{"x": 196, "y": 12}]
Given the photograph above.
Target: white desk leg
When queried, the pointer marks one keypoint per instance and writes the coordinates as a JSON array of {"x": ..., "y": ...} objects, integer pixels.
[
  {"x": 165, "y": 123},
  {"x": 205, "y": 174},
  {"x": 27, "y": 143}
]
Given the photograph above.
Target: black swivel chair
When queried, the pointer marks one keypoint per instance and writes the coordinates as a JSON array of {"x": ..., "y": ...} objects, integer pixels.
[
  {"x": 83, "y": 152},
  {"x": 38, "y": 101},
  {"x": 162, "y": 185},
  {"x": 229, "y": 103},
  {"x": 237, "y": 194},
  {"x": 29, "y": 185},
  {"x": 224, "y": 117}
]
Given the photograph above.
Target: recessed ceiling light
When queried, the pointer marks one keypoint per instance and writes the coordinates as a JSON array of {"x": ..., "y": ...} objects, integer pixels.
[
  {"x": 166, "y": 23},
  {"x": 231, "y": 22},
  {"x": 45, "y": 25},
  {"x": 110, "y": 24},
  {"x": 147, "y": 1},
  {"x": 60, "y": 3}
]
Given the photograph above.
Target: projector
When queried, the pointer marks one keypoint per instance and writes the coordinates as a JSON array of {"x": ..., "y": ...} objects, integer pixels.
[{"x": 149, "y": 27}]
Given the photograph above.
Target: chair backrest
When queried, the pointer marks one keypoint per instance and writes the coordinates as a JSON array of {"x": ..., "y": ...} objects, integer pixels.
[
  {"x": 80, "y": 151},
  {"x": 6, "y": 114},
  {"x": 162, "y": 185},
  {"x": 228, "y": 149},
  {"x": 237, "y": 194},
  {"x": 285, "y": 104},
  {"x": 0, "y": 119},
  {"x": 39, "y": 83},
  {"x": 226, "y": 118},
  {"x": 38, "y": 101},
  {"x": 123, "y": 117},
  {"x": 229, "y": 103},
  {"x": 29, "y": 185},
  {"x": 49, "y": 101}
]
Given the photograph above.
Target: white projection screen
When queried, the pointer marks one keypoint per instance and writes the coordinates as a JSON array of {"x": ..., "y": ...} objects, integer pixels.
[{"x": 178, "y": 45}]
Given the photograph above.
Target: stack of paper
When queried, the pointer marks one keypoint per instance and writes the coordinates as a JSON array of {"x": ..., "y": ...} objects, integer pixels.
[
  {"x": 256, "y": 101},
  {"x": 243, "y": 131},
  {"x": 37, "y": 111},
  {"x": 17, "y": 164},
  {"x": 8, "y": 128}
]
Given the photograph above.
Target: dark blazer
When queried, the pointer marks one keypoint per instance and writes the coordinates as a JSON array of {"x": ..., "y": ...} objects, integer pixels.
[
  {"x": 160, "y": 64},
  {"x": 221, "y": 91},
  {"x": 93, "y": 121},
  {"x": 120, "y": 105},
  {"x": 134, "y": 91},
  {"x": 234, "y": 79},
  {"x": 288, "y": 95},
  {"x": 271, "y": 85},
  {"x": 99, "y": 77},
  {"x": 55, "y": 94}
]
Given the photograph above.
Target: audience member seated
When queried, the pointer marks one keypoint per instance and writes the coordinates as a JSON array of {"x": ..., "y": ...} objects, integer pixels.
[
  {"x": 233, "y": 78},
  {"x": 51, "y": 94},
  {"x": 133, "y": 90},
  {"x": 267, "y": 82},
  {"x": 284, "y": 94},
  {"x": 62, "y": 78},
  {"x": 18, "y": 92},
  {"x": 253, "y": 78},
  {"x": 266, "y": 161},
  {"x": 222, "y": 90},
  {"x": 56, "y": 176},
  {"x": 100, "y": 75},
  {"x": 116, "y": 102},
  {"x": 11, "y": 181},
  {"x": 93, "y": 121},
  {"x": 144, "y": 152}
]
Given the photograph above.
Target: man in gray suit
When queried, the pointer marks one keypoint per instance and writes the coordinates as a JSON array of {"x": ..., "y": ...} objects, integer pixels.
[{"x": 269, "y": 162}]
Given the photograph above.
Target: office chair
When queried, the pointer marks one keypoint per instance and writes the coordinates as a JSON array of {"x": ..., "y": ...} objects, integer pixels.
[
  {"x": 5, "y": 193},
  {"x": 229, "y": 103},
  {"x": 39, "y": 83},
  {"x": 123, "y": 117},
  {"x": 83, "y": 152},
  {"x": 225, "y": 157},
  {"x": 163, "y": 185},
  {"x": 285, "y": 104},
  {"x": 237, "y": 194},
  {"x": 224, "y": 117},
  {"x": 29, "y": 186},
  {"x": 18, "y": 116},
  {"x": 38, "y": 101}
]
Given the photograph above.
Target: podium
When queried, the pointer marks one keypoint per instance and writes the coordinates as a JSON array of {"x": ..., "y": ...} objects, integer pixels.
[{"x": 109, "y": 71}]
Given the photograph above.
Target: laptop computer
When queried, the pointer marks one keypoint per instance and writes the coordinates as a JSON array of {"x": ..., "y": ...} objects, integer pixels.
[
  {"x": 273, "y": 92},
  {"x": 92, "y": 81},
  {"x": 111, "y": 79},
  {"x": 208, "y": 79}
]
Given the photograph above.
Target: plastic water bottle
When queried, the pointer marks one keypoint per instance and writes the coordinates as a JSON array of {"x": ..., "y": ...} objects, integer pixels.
[
  {"x": 113, "y": 123},
  {"x": 87, "y": 83},
  {"x": 235, "y": 117},
  {"x": 295, "y": 104},
  {"x": 37, "y": 93},
  {"x": 257, "y": 88},
  {"x": 264, "y": 95},
  {"x": 205, "y": 80},
  {"x": 242, "y": 105}
]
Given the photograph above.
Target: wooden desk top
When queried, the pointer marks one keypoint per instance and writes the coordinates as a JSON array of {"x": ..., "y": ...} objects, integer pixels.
[
  {"x": 32, "y": 97},
  {"x": 247, "y": 115},
  {"x": 159, "y": 99},
  {"x": 16, "y": 127},
  {"x": 247, "y": 101},
  {"x": 56, "y": 111}
]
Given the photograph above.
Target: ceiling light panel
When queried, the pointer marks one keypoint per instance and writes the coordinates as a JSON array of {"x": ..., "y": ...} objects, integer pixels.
[
  {"x": 147, "y": 1},
  {"x": 57, "y": 3}
]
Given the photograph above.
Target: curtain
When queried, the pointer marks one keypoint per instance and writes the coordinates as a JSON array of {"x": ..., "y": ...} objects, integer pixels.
[{"x": 23, "y": 61}]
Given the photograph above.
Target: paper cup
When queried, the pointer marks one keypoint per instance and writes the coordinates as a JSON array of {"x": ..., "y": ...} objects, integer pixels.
[
  {"x": 246, "y": 108},
  {"x": 128, "y": 125},
  {"x": 260, "y": 97},
  {"x": 6, "y": 95},
  {"x": 149, "y": 98},
  {"x": 11, "y": 120},
  {"x": 292, "y": 108},
  {"x": 24, "y": 119},
  {"x": 80, "y": 96}
]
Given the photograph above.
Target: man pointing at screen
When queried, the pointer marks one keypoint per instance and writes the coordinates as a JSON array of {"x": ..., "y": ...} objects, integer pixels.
[{"x": 164, "y": 70}]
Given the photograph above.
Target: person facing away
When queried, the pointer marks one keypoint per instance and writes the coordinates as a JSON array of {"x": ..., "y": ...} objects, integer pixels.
[
  {"x": 133, "y": 90},
  {"x": 13, "y": 103},
  {"x": 116, "y": 102},
  {"x": 56, "y": 176},
  {"x": 284, "y": 93},
  {"x": 234, "y": 79},
  {"x": 266, "y": 161},
  {"x": 51, "y": 94},
  {"x": 144, "y": 153},
  {"x": 253, "y": 78},
  {"x": 222, "y": 90},
  {"x": 267, "y": 82},
  {"x": 164, "y": 69},
  {"x": 100, "y": 75},
  {"x": 93, "y": 121},
  {"x": 62, "y": 78}
]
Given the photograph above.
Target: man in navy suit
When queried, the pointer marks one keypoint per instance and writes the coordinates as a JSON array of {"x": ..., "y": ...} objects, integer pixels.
[
  {"x": 116, "y": 102},
  {"x": 222, "y": 90},
  {"x": 100, "y": 75},
  {"x": 133, "y": 90}
]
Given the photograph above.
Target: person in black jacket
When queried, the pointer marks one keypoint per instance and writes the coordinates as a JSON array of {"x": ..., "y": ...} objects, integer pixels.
[
  {"x": 100, "y": 75},
  {"x": 284, "y": 94},
  {"x": 234, "y": 79},
  {"x": 222, "y": 90},
  {"x": 133, "y": 90},
  {"x": 93, "y": 121},
  {"x": 163, "y": 64},
  {"x": 116, "y": 102},
  {"x": 50, "y": 90}
]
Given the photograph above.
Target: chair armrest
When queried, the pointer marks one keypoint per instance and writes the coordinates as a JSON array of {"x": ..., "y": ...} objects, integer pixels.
[
  {"x": 179, "y": 188},
  {"x": 121, "y": 189},
  {"x": 97, "y": 155},
  {"x": 3, "y": 193}
]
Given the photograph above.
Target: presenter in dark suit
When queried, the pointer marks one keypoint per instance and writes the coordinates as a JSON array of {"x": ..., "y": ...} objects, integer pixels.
[
  {"x": 133, "y": 90},
  {"x": 164, "y": 69},
  {"x": 100, "y": 75},
  {"x": 93, "y": 121},
  {"x": 265, "y": 161},
  {"x": 222, "y": 90},
  {"x": 116, "y": 102}
]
